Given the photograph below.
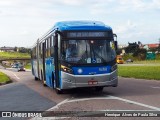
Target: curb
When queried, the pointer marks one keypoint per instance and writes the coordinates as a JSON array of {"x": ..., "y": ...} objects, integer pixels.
[{"x": 7, "y": 82}]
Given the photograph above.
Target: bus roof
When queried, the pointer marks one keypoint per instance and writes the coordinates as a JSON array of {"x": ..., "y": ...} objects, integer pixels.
[
  {"x": 77, "y": 25},
  {"x": 81, "y": 25}
]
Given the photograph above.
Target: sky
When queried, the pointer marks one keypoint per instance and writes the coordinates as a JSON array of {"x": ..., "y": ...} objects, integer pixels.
[{"x": 22, "y": 22}]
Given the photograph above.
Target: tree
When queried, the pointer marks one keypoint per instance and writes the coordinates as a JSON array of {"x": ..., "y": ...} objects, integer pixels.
[
  {"x": 136, "y": 50},
  {"x": 24, "y": 50},
  {"x": 132, "y": 47},
  {"x": 15, "y": 49},
  {"x": 119, "y": 51},
  {"x": 140, "y": 54}
]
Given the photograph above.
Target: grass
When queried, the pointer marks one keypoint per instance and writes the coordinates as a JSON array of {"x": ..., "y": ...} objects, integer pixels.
[
  {"x": 3, "y": 78},
  {"x": 28, "y": 66},
  {"x": 8, "y": 55},
  {"x": 147, "y": 62},
  {"x": 141, "y": 72}
]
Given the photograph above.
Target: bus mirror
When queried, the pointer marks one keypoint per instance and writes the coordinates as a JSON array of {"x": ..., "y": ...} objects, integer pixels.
[
  {"x": 116, "y": 45},
  {"x": 115, "y": 41},
  {"x": 115, "y": 36}
]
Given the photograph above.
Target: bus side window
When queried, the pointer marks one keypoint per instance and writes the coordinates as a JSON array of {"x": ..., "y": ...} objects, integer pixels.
[
  {"x": 46, "y": 48},
  {"x": 34, "y": 53},
  {"x": 39, "y": 50},
  {"x": 52, "y": 46},
  {"x": 49, "y": 44}
]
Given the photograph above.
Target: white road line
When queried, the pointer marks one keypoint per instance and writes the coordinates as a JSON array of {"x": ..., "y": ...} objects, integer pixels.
[
  {"x": 106, "y": 97},
  {"x": 94, "y": 98},
  {"x": 155, "y": 87},
  {"x": 98, "y": 98},
  {"x": 51, "y": 109},
  {"x": 136, "y": 103},
  {"x": 16, "y": 76},
  {"x": 117, "y": 98},
  {"x": 56, "y": 106}
]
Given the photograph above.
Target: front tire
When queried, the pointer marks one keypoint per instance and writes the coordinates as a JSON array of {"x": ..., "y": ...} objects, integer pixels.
[
  {"x": 58, "y": 91},
  {"x": 36, "y": 78}
]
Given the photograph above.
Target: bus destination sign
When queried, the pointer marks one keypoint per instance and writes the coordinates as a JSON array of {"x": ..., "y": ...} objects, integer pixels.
[{"x": 87, "y": 34}]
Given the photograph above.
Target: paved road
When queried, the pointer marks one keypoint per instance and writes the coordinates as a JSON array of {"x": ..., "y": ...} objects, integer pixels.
[{"x": 131, "y": 94}]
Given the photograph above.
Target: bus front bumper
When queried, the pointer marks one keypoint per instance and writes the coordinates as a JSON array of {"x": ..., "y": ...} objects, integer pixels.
[{"x": 69, "y": 81}]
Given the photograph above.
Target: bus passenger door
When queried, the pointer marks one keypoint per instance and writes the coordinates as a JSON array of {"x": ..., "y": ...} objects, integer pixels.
[
  {"x": 56, "y": 60},
  {"x": 43, "y": 59}
]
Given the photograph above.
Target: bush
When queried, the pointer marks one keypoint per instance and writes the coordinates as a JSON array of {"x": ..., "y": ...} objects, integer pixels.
[
  {"x": 140, "y": 54},
  {"x": 158, "y": 56}
]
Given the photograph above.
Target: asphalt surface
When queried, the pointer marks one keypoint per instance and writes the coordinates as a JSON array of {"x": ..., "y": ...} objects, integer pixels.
[
  {"x": 131, "y": 95},
  {"x": 18, "y": 97}
]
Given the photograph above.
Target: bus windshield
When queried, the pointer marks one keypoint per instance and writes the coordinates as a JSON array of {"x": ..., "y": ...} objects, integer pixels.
[{"x": 88, "y": 51}]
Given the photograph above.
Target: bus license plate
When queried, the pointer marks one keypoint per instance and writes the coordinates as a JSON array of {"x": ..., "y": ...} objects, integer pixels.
[{"x": 91, "y": 82}]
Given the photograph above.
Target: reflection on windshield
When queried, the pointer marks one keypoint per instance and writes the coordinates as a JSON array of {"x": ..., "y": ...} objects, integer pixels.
[{"x": 88, "y": 51}]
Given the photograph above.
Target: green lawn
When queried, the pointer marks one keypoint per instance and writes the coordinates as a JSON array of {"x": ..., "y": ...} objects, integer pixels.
[
  {"x": 28, "y": 66},
  {"x": 147, "y": 62},
  {"x": 3, "y": 78},
  {"x": 7, "y": 55},
  {"x": 142, "y": 72}
]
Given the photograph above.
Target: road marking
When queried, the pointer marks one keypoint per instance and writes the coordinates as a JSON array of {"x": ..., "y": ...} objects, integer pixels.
[
  {"x": 97, "y": 98},
  {"x": 16, "y": 76},
  {"x": 136, "y": 103},
  {"x": 56, "y": 106},
  {"x": 94, "y": 98},
  {"x": 155, "y": 87},
  {"x": 106, "y": 97},
  {"x": 51, "y": 109}
]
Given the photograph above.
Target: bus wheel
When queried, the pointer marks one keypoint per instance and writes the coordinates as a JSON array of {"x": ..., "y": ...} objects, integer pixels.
[
  {"x": 58, "y": 91},
  {"x": 44, "y": 83},
  {"x": 36, "y": 78},
  {"x": 99, "y": 89}
]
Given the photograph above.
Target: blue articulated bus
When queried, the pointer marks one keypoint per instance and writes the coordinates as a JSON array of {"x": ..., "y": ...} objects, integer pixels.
[{"x": 76, "y": 54}]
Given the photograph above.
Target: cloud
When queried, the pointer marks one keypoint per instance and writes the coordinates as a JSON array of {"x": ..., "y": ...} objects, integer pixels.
[
  {"x": 5, "y": 3},
  {"x": 155, "y": 4},
  {"x": 27, "y": 20},
  {"x": 139, "y": 5},
  {"x": 129, "y": 26},
  {"x": 72, "y": 2}
]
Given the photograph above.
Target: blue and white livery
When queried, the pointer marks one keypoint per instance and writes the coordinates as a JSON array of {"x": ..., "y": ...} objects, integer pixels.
[{"x": 76, "y": 54}]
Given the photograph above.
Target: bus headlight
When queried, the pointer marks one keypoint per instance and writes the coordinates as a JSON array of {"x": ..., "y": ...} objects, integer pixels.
[
  {"x": 114, "y": 67},
  {"x": 66, "y": 69}
]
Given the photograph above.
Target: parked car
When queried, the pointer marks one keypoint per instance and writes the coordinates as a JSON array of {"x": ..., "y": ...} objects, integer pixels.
[
  {"x": 21, "y": 68},
  {"x": 129, "y": 61},
  {"x": 119, "y": 59},
  {"x": 16, "y": 65},
  {"x": 13, "y": 66}
]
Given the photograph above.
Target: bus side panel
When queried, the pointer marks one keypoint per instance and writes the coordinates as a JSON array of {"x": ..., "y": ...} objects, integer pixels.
[
  {"x": 49, "y": 72},
  {"x": 34, "y": 68}
]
